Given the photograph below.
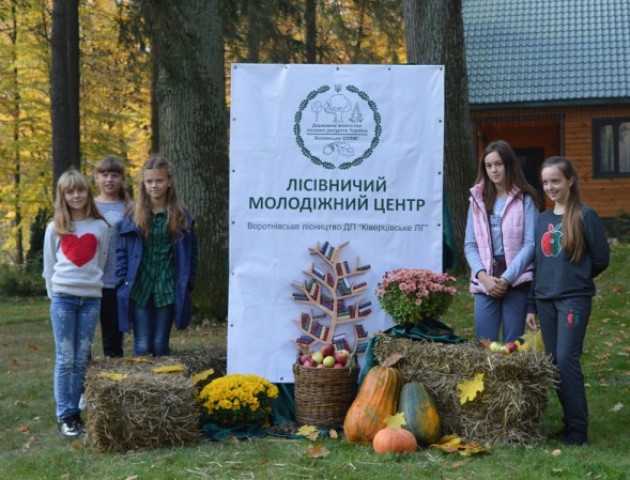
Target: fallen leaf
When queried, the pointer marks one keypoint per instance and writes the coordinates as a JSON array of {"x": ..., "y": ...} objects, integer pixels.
[
  {"x": 309, "y": 431},
  {"x": 556, "y": 453},
  {"x": 169, "y": 369},
  {"x": 132, "y": 477},
  {"x": 468, "y": 389},
  {"x": 29, "y": 443},
  {"x": 618, "y": 406},
  {"x": 457, "y": 464},
  {"x": 392, "y": 360},
  {"x": 115, "y": 376},
  {"x": 138, "y": 360},
  {"x": 332, "y": 433},
  {"x": 316, "y": 451},
  {"x": 201, "y": 376},
  {"x": 24, "y": 429},
  {"x": 454, "y": 444},
  {"x": 395, "y": 421},
  {"x": 32, "y": 347}
]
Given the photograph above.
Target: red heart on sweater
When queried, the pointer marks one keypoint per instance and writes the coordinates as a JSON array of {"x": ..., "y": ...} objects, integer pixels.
[{"x": 79, "y": 250}]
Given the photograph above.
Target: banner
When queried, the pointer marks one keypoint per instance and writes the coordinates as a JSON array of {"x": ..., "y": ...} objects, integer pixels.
[{"x": 335, "y": 178}]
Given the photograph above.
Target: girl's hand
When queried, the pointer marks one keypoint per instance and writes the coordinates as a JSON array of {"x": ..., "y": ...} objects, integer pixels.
[
  {"x": 496, "y": 287},
  {"x": 531, "y": 321}
]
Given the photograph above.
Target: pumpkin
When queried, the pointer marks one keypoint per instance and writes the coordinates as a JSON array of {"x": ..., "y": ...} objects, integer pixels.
[
  {"x": 422, "y": 418},
  {"x": 394, "y": 440},
  {"x": 377, "y": 398}
]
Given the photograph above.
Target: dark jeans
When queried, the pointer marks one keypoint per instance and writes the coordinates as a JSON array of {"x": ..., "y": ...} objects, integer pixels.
[
  {"x": 563, "y": 324},
  {"x": 112, "y": 336},
  {"x": 152, "y": 329}
]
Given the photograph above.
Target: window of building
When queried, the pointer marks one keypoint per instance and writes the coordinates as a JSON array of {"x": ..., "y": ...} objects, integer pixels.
[{"x": 611, "y": 147}]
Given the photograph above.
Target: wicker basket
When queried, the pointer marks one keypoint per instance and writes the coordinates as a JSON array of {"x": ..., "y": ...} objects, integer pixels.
[{"x": 323, "y": 395}]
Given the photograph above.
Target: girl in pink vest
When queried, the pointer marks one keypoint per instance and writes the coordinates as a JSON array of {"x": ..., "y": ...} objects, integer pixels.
[{"x": 499, "y": 243}]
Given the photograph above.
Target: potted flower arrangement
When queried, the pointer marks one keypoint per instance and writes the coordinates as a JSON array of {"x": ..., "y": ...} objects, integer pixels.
[
  {"x": 238, "y": 399},
  {"x": 412, "y": 296}
]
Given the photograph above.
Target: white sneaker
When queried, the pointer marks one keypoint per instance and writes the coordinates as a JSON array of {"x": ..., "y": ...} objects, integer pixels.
[{"x": 82, "y": 402}]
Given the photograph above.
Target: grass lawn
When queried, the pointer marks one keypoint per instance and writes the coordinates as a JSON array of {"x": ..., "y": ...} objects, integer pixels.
[{"x": 30, "y": 447}]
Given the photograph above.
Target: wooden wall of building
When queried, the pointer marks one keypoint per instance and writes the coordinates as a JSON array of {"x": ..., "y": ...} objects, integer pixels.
[{"x": 560, "y": 131}]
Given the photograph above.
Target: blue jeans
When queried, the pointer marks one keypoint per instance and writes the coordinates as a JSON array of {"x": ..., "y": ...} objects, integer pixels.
[
  {"x": 563, "y": 325},
  {"x": 74, "y": 321},
  {"x": 152, "y": 329},
  {"x": 510, "y": 311}
]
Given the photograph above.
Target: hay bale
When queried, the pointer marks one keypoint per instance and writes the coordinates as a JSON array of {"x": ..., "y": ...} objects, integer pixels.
[
  {"x": 145, "y": 409},
  {"x": 510, "y": 408}
]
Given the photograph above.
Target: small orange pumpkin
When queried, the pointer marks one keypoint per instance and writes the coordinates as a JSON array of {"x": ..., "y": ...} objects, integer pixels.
[{"x": 394, "y": 440}]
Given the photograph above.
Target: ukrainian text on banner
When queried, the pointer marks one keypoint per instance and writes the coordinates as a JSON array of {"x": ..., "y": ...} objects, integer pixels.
[{"x": 321, "y": 155}]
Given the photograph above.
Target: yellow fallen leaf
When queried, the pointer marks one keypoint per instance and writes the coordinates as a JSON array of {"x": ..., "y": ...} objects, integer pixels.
[
  {"x": 116, "y": 377},
  {"x": 332, "y": 433},
  {"x": 316, "y": 451},
  {"x": 169, "y": 369},
  {"x": 138, "y": 360},
  {"x": 468, "y": 389},
  {"x": 454, "y": 444},
  {"x": 309, "y": 431},
  {"x": 556, "y": 453},
  {"x": 201, "y": 376},
  {"x": 395, "y": 421}
]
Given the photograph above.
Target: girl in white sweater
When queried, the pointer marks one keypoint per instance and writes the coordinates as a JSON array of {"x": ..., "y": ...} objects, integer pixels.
[{"x": 75, "y": 251}]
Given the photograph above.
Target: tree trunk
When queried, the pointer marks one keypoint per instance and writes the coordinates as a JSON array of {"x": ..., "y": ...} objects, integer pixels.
[
  {"x": 64, "y": 86},
  {"x": 310, "y": 19},
  {"x": 193, "y": 135},
  {"x": 434, "y": 32},
  {"x": 253, "y": 31},
  {"x": 17, "y": 107}
]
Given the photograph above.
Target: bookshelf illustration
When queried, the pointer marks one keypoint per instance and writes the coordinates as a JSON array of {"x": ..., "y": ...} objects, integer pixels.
[{"x": 332, "y": 289}]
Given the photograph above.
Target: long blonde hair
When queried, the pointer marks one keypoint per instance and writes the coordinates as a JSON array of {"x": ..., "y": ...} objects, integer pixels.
[
  {"x": 72, "y": 179},
  {"x": 573, "y": 242},
  {"x": 176, "y": 217}
]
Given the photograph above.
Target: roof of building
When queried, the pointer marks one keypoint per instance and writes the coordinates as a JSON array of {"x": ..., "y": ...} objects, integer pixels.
[{"x": 547, "y": 51}]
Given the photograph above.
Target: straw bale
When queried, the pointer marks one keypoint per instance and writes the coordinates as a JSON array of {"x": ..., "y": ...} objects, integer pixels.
[
  {"x": 510, "y": 408},
  {"x": 146, "y": 410}
]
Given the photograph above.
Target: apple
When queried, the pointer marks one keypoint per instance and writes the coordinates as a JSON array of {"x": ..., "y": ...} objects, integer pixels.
[
  {"x": 321, "y": 365},
  {"x": 340, "y": 358},
  {"x": 511, "y": 346},
  {"x": 495, "y": 347},
  {"x": 504, "y": 349},
  {"x": 328, "y": 349},
  {"x": 344, "y": 352},
  {"x": 339, "y": 365},
  {"x": 303, "y": 358},
  {"x": 317, "y": 357},
  {"x": 309, "y": 363},
  {"x": 329, "y": 361}
]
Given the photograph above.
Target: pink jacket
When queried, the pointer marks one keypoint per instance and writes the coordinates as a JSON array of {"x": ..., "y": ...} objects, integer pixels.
[{"x": 511, "y": 228}]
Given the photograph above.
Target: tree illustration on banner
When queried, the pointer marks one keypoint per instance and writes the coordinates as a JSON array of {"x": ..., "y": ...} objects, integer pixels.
[{"x": 334, "y": 290}]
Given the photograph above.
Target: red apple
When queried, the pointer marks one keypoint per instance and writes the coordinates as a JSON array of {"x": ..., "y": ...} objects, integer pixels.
[
  {"x": 511, "y": 346},
  {"x": 303, "y": 358},
  {"x": 321, "y": 365},
  {"x": 339, "y": 365},
  {"x": 309, "y": 363},
  {"x": 328, "y": 349},
  {"x": 341, "y": 358}
]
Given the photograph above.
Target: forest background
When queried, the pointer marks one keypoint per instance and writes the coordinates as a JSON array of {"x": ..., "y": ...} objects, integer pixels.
[{"x": 81, "y": 79}]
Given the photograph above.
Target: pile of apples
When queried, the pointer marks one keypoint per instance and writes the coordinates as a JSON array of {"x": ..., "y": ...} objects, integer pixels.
[
  {"x": 497, "y": 347},
  {"x": 327, "y": 357}
]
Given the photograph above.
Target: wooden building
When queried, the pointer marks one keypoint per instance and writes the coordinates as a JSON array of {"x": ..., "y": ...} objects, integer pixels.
[{"x": 553, "y": 78}]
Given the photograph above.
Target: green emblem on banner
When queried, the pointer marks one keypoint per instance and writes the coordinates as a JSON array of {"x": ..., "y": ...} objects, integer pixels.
[{"x": 337, "y": 129}]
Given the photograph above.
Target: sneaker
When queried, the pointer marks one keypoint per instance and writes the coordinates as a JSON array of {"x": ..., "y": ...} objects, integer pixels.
[
  {"x": 79, "y": 422},
  {"x": 69, "y": 427},
  {"x": 82, "y": 402},
  {"x": 574, "y": 437}
]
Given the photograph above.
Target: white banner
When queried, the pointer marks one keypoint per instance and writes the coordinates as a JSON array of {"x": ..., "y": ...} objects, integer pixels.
[{"x": 321, "y": 155}]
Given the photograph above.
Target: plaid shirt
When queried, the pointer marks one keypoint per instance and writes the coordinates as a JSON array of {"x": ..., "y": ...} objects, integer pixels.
[{"x": 156, "y": 275}]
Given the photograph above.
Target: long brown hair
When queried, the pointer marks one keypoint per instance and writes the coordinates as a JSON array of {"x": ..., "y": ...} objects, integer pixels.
[
  {"x": 176, "y": 217},
  {"x": 513, "y": 174},
  {"x": 114, "y": 164},
  {"x": 573, "y": 242},
  {"x": 70, "y": 180}
]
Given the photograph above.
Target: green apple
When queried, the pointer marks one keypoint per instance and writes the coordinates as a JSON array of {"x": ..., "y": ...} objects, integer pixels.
[
  {"x": 317, "y": 357},
  {"x": 329, "y": 361},
  {"x": 496, "y": 347}
]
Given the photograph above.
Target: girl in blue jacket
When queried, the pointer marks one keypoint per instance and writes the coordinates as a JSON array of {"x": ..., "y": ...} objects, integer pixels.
[{"x": 156, "y": 262}]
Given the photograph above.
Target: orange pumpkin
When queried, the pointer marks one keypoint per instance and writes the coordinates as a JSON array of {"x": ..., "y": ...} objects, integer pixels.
[
  {"x": 394, "y": 440},
  {"x": 377, "y": 398}
]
